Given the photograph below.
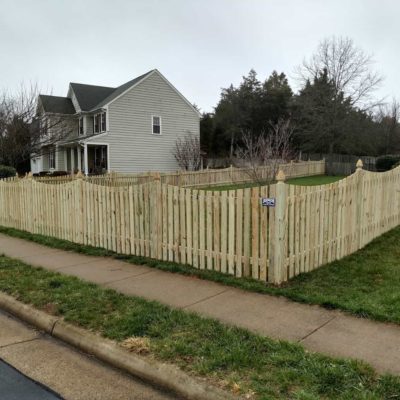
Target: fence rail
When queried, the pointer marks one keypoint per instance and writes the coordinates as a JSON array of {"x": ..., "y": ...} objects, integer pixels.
[{"x": 228, "y": 231}]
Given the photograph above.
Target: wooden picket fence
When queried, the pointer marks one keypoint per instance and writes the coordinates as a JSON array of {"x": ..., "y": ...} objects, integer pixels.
[
  {"x": 228, "y": 231},
  {"x": 206, "y": 177},
  {"x": 210, "y": 177},
  {"x": 324, "y": 223}
]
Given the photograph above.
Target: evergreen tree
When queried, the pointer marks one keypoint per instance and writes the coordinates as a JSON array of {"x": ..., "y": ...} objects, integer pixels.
[
  {"x": 321, "y": 116},
  {"x": 277, "y": 97},
  {"x": 207, "y": 133},
  {"x": 249, "y": 108}
]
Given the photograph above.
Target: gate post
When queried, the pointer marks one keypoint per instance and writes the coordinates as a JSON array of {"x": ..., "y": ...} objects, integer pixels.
[{"x": 278, "y": 256}]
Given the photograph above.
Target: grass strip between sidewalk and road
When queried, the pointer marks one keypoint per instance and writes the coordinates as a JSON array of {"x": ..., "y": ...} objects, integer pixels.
[
  {"x": 365, "y": 284},
  {"x": 232, "y": 358}
]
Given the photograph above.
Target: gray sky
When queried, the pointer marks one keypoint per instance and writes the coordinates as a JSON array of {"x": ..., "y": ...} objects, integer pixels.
[{"x": 199, "y": 45}]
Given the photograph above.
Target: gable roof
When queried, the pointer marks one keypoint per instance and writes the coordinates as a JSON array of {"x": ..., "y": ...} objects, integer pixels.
[
  {"x": 88, "y": 96},
  {"x": 92, "y": 97},
  {"x": 121, "y": 89},
  {"x": 57, "y": 104}
]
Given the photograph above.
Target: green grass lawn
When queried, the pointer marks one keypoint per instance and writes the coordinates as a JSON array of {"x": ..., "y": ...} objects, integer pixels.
[
  {"x": 314, "y": 180},
  {"x": 304, "y": 181},
  {"x": 232, "y": 186},
  {"x": 366, "y": 283},
  {"x": 233, "y": 358}
]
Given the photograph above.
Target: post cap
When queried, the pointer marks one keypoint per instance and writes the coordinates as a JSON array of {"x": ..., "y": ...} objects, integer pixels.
[
  {"x": 30, "y": 175},
  {"x": 79, "y": 174},
  {"x": 359, "y": 164},
  {"x": 280, "y": 176}
]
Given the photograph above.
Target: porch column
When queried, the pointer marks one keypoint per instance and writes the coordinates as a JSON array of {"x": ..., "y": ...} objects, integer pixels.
[
  {"x": 65, "y": 159},
  {"x": 79, "y": 158},
  {"x": 56, "y": 158},
  {"x": 72, "y": 160},
  {"x": 85, "y": 159}
]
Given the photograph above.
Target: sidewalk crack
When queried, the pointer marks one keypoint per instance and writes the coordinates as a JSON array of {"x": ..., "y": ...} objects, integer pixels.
[
  {"x": 317, "y": 329},
  {"x": 76, "y": 265},
  {"x": 53, "y": 326},
  {"x": 127, "y": 277},
  {"x": 20, "y": 342},
  {"x": 205, "y": 299}
]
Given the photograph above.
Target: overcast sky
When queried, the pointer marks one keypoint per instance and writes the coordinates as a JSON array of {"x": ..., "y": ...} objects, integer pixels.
[{"x": 199, "y": 45}]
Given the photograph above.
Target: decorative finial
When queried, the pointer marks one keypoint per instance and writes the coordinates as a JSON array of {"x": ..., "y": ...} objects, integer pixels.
[
  {"x": 30, "y": 175},
  {"x": 280, "y": 176},
  {"x": 79, "y": 174},
  {"x": 359, "y": 164}
]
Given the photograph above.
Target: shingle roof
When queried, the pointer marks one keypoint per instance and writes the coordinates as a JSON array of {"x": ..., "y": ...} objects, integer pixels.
[
  {"x": 89, "y": 96},
  {"x": 56, "y": 104}
]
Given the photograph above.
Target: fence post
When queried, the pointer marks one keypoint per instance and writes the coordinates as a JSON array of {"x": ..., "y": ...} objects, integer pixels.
[
  {"x": 156, "y": 211},
  {"x": 360, "y": 178},
  {"x": 278, "y": 257},
  {"x": 79, "y": 206}
]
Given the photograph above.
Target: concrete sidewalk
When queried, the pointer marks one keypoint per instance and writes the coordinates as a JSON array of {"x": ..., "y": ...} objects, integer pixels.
[{"x": 317, "y": 329}]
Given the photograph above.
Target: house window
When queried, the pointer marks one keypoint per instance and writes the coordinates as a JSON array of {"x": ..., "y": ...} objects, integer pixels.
[
  {"x": 96, "y": 121},
  {"x": 52, "y": 159},
  {"x": 103, "y": 121},
  {"x": 156, "y": 123},
  {"x": 99, "y": 122},
  {"x": 43, "y": 126},
  {"x": 80, "y": 128}
]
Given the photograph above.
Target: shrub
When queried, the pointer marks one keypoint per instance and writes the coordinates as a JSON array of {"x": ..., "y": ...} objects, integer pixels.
[
  {"x": 58, "y": 173},
  {"x": 7, "y": 172},
  {"x": 385, "y": 163},
  {"x": 52, "y": 174},
  {"x": 396, "y": 165}
]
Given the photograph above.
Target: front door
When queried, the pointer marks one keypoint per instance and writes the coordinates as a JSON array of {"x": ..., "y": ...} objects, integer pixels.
[{"x": 97, "y": 159}]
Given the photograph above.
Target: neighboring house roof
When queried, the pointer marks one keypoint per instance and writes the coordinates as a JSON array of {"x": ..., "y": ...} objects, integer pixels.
[
  {"x": 89, "y": 96},
  {"x": 56, "y": 104}
]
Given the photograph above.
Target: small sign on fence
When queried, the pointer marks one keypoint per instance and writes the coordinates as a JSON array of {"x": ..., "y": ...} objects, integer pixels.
[{"x": 268, "y": 202}]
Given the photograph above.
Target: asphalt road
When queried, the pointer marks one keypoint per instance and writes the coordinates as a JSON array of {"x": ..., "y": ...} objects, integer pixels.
[{"x": 16, "y": 386}]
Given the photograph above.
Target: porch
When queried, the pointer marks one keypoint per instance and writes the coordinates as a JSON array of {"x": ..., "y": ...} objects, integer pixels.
[{"x": 91, "y": 159}]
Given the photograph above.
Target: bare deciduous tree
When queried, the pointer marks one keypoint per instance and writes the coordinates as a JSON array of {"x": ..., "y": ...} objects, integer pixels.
[
  {"x": 348, "y": 67},
  {"x": 270, "y": 149},
  {"x": 24, "y": 130},
  {"x": 187, "y": 153}
]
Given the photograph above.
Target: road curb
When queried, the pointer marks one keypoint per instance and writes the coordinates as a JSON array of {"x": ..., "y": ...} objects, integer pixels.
[
  {"x": 29, "y": 314},
  {"x": 156, "y": 373}
]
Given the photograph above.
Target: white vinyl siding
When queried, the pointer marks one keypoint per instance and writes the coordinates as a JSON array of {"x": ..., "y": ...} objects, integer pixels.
[{"x": 132, "y": 146}]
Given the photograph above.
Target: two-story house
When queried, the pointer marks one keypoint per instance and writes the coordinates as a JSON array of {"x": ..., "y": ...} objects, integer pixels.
[{"x": 128, "y": 129}]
